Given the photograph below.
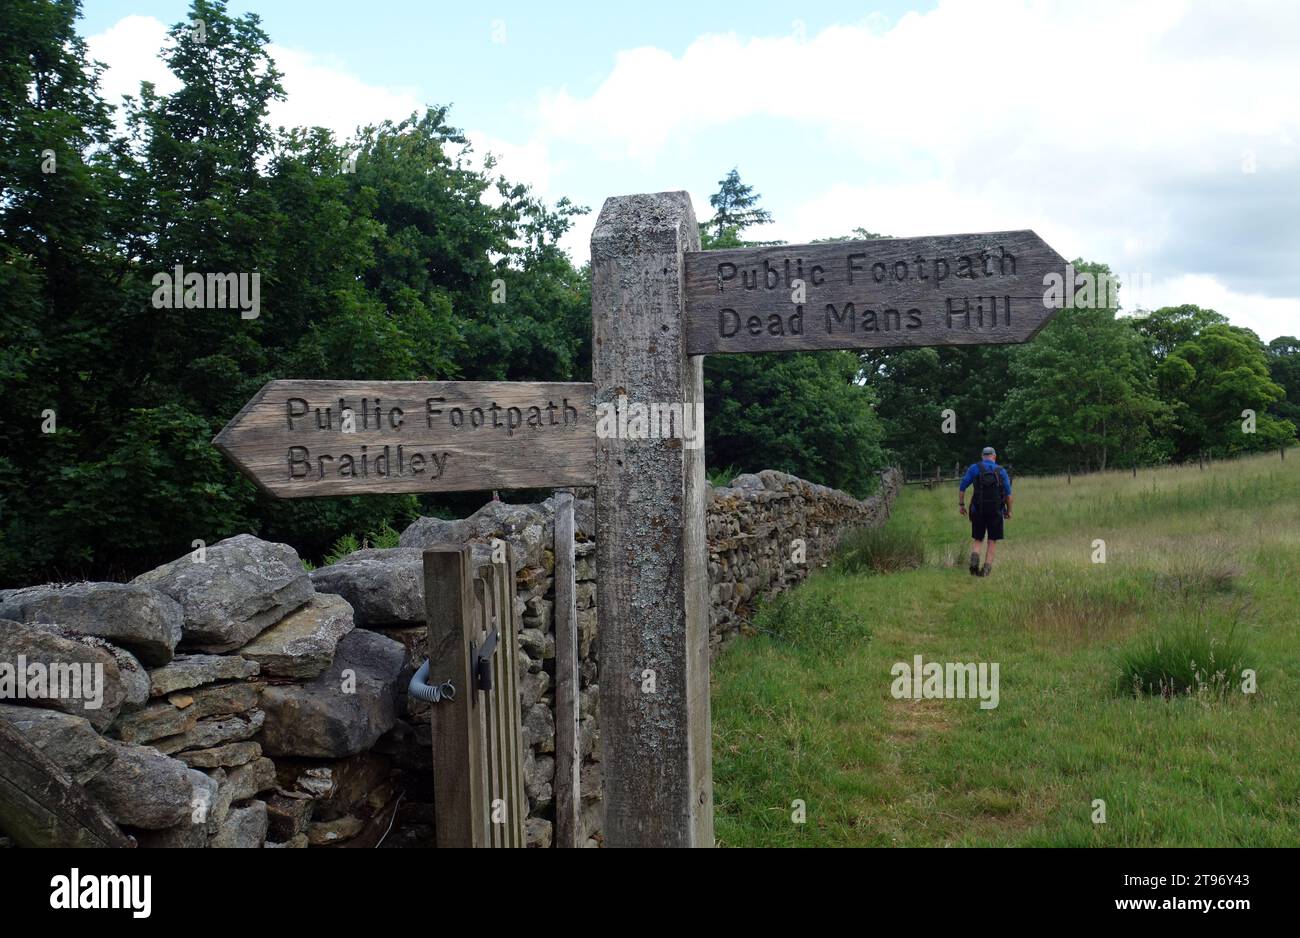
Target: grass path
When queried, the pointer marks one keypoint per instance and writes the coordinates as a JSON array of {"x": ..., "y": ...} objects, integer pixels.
[{"x": 814, "y": 721}]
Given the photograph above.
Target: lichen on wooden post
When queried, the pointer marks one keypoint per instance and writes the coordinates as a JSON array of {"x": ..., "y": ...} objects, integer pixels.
[{"x": 651, "y": 549}]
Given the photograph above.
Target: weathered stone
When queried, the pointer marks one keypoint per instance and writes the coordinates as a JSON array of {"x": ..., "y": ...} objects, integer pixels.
[
  {"x": 532, "y": 686},
  {"x": 142, "y": 787},
  {"x": 206, "y": 790},
  {"x": 243, "y": 828},
  {"x": 244, "y": 586},
  {"x": 539, "y": 771},
  {"x": 164, "y": 718},
  {"x": 539, "y": 608},
  {"x": 588, "y": 738},
  {"x": 227, "y": 755},
  {"x": 40, "y": 668},
  {"x": 539, "y": 728},
  {"x": 318, "y": 782},
  {"x": 184, "y": 836},
  {"x": 525, "y": 527},
  {"x": 537, "y": 832},
  {"x": 252, "y": 778},
  {"x": 384, "y": 587},
  {"x": 351, "y": 781},
  {"x": 296, "y": 842},
  {"x": 586, "y": 631},
  {"x": 533, "y": 641},
  {"x": 215, "y": 731},
  {"x": 70, "y": 741},
  {"x": 139, "y": 619},
  {"x": 134, "y": 677},
  {"x": 330, "y": 717},
  {"x": 302, "y": 644},
  {"x": 288, "y": 817},
  {"x": 186, "y": 671},
  {"x": 323, "y": 833}
]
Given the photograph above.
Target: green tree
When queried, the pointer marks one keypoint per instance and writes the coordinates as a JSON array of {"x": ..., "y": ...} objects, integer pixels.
[
  {"x": 914, "y": 387},
  {"x": 59, "y": 277},
  {"x": 386, "y": 272},
  {"x": 736, "y": 206},
  {"x": 806, "y": 413},
  {"x": 1166, "y": 328},
  {"x": 1082, "y": 393},
  {"x": 1211, "y": 381},
  {"x": 1284, "y": 368}
]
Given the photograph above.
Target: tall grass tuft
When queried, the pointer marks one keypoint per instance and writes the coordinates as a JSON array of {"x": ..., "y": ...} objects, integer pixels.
[
  {"x": 809, "y": 620},
  {"x": 888, "y": 549},
  {"x": 1197, "y": 658}
]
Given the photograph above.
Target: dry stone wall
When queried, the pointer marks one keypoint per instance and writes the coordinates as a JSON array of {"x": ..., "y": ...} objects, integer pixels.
[{"x": 247, "y": 702}]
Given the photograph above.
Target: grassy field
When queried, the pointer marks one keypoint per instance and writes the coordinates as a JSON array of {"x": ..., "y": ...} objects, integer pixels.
[{"x": 806, "y": 714}]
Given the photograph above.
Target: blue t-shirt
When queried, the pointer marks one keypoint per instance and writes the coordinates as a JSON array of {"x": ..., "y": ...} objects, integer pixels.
[{"x": 973, "y": 473}]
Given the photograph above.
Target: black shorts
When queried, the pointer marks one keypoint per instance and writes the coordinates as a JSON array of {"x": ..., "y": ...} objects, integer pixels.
[{"x": 982, "y": 523}]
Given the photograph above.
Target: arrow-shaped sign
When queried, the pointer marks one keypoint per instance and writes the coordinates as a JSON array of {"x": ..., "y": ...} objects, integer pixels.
[
  {"x": 966, "y": 289},
  {"x": 305, "y": 438}
]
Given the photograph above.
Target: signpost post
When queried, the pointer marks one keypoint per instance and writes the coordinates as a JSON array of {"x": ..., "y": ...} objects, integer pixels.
[{"x": 659, "y": 304}]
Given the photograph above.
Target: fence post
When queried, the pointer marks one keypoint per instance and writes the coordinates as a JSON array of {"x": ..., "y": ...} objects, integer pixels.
[{"x": 653, "y": 613}]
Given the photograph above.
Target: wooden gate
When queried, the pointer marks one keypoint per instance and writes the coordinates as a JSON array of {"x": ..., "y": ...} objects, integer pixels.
[{"x": 478, "y": 750}]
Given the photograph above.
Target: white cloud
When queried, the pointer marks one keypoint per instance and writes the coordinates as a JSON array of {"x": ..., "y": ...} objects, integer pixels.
[
  {"x": 1269, "y": 316},
  {"x": 319, "y": 94},
  {"x": 130, "y": 50},
  {"x": 1117, "y": 130}
]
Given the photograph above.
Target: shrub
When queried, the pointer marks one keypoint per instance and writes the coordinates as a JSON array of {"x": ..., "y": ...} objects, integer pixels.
[
  {"x": 887, "y": 549},
  {"x": 345, "y": 545}
]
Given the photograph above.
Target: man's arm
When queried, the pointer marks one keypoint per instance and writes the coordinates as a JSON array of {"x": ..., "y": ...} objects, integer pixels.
[
  {"x": 966, "y": 480},
  {"x": 1006, "y": 499}
]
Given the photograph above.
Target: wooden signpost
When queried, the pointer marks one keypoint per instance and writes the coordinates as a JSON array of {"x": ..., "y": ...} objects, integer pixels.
[
  {"x": 658, "y": 305},
  {"x": 968, "y": 289},
  {"x": 310, "y": 438}
]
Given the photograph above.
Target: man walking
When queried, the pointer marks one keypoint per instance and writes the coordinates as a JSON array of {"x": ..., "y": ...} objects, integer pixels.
[{"x": 990, "y": 503}]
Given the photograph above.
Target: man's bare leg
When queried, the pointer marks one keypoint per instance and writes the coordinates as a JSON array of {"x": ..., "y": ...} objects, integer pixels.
[{"x": 975, "y": 556}]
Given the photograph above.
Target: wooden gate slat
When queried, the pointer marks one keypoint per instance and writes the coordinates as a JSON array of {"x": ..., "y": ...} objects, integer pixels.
[
  {"x": 568, "y": 759},
  {"x": 517, "y": 799},
  {"x": 449, "y": 614}
]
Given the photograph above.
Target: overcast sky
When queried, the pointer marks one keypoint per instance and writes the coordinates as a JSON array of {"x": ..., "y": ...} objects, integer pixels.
[{"x": 1161, "y": 138}]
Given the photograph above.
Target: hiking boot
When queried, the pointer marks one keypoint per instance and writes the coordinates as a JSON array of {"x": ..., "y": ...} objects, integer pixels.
[
  {"x": 988, "y": 568},
  {"x": 974, "y": 564}
]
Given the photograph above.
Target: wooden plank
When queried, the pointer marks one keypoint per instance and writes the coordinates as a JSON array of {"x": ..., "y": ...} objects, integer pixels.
[
  {"x": 653, "y": 611},
  {"x": 516, "y": 801},
  {"x": 41, "y": 806},
  {"x": 413, "y": 436},
  {"x": 448, "y": 612},
  {"x": 964, "y": 289},
  {"x": 482, "y": 711},
  {"x": 520, "y": 796},
  {"x": 492, "y": 710},
  {"x": 568, "y": 759}
]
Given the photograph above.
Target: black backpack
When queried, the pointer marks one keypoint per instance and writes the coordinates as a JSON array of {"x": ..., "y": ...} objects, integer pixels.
[{"x": 988, "y": 490}]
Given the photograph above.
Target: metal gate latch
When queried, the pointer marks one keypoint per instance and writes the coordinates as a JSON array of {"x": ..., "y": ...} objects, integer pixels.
[{"x": 482, "y": 659}]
